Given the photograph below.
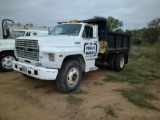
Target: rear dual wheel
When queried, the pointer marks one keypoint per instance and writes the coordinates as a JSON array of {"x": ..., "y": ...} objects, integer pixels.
[
  {"x": 111, "y": 61},
  {"x": 117, "y": 62}
]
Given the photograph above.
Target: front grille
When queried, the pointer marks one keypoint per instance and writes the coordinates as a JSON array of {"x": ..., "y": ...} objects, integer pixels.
[
  {"x": 27, "y": 43},
  {"x": 27, "y": 49}
]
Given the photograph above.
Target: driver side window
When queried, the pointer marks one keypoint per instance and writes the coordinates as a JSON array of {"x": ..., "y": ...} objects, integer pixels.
[{"x": 87, "y": 32}]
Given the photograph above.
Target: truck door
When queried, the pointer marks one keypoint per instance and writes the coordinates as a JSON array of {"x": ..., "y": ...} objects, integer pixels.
[
  {"x": 90, "y": 43},
  {"x": 90, "y": 48}
]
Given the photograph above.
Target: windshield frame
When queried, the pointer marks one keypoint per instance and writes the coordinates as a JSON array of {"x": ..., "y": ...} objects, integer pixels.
[{"x": 67, "y": 29}]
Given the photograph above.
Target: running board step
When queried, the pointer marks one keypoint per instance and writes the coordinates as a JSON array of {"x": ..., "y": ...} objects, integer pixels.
[{"x": 93, "y": 68}]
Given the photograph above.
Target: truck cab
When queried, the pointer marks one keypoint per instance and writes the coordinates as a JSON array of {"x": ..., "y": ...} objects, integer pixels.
[
  {"x": 70, "y": 49},
  {"x": 8, "y": 33}
]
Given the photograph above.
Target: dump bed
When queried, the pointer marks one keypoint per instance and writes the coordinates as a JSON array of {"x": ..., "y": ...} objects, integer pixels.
[{"x": 116, "y": 42}]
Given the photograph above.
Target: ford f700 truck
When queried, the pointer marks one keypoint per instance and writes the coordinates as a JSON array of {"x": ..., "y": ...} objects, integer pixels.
[{"x": 70, "y": 49}]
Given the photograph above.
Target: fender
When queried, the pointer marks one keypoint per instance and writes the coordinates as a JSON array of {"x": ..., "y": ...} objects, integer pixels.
[
  {"x": 60, "y": 53},
  {"x": 6, "y": 45}
]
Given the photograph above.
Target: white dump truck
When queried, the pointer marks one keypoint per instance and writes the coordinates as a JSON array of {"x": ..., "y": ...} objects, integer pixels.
[
  {"x": 8, "y": 34},
  {"x": 71, "y": 49}
]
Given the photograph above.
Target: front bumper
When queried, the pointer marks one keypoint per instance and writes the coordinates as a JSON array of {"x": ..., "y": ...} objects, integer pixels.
[{"x": 34, "y": 71}]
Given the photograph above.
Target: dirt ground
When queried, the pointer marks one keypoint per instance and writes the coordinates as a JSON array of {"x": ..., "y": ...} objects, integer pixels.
[{"x": 20, "y": 100}]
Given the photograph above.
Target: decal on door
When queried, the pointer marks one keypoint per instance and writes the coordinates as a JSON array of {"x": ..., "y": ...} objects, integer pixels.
[{"x": 90, "y": 49}]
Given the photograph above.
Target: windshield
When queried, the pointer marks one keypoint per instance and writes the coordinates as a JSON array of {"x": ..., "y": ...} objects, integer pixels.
[
  {"x": 66, "y": 29},
  {"x": 16, "y": 34}
]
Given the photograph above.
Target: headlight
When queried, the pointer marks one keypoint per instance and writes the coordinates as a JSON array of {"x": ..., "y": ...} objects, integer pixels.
[{"x": 51, "y": 57}]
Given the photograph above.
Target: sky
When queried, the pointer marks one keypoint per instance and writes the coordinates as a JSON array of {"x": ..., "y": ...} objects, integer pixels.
[{"x": 135, "y": 14}]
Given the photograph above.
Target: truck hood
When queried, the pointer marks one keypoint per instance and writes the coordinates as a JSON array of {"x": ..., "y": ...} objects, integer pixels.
[{"x": 55, "y": 40}]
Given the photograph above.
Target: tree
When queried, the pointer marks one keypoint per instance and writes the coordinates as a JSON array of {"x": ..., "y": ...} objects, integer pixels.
[
  {"x": 137, "y": 37},
  {"x": 119, "y": 30},
  {"x": 98, "y": 17},
  {"x": 112, "y": 23},
  {"x": 151, "y": 35},
  {"x": 155, "y": 23}
]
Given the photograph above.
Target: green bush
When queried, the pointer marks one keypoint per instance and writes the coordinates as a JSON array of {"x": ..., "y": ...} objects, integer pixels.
[
  {"x": 149, "y": 52},
  {"x": 154, "y": 52}
]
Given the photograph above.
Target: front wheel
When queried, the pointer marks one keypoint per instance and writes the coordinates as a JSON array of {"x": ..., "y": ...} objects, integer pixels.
[
  {"x": 119, "y": 62},
  {"x": 69, "y": 76},
  {"x": 6, "y": 62}
]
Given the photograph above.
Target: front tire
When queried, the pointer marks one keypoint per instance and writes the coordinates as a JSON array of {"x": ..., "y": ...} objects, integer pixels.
[
  {"x": 119, "y": 62},
  {"x": 6, "y": 61},
  {"x": 69, "y": 76}
]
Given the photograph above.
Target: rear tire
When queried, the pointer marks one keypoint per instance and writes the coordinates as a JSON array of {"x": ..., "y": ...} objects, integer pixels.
[
  {"x": 6, "y": 61},
  {"x": 111, "y": 62},
  {"x": 119, "y": 62},
  {"x": 69, "y": 76}
]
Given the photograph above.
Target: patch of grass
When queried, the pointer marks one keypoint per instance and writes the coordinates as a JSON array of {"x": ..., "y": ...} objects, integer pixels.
[
  {"x": 29, "y": 98},
  {"x": 98, "y": 84},
  {"x": 150, "y": 52},
  {"x": 79, "y": 91},
  {"x": 146, "y": 64},
  {"x": 74, "y": 100},
  {"x": 144, "y": 74},
  {"x": 39, "y": 86},
  {"x": 108, "y": 110},
  {"x": 156, "y": 75},
  {"x": 119, "y": 109},
  {"x": 97, "y": 106},
  {"x": 50, "y": 91},
  {"x": 139, "y": 97},
  {"x": 139, "y": 70},
  {"x": 122, "y": 78}
]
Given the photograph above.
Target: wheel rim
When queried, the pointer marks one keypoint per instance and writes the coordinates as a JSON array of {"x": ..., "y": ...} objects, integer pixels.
[
  {"x": 72, "y": 77},
  {"x": 7, "y": 62},
  {"x": 122, "y": 62}
]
